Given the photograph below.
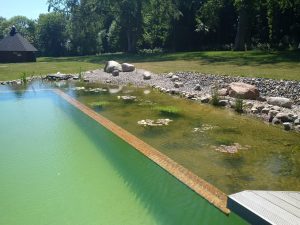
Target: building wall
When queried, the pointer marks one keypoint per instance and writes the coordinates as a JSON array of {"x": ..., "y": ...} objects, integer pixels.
[{"x": 13, "y": 57}]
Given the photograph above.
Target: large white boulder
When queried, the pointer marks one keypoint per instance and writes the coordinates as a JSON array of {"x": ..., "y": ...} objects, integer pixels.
[
  {"x": 243, "y": 90},
  {"x": 111, "y": 66},
  {"x": 280, "y": 101},
  {"x": 126, "y": 67}
]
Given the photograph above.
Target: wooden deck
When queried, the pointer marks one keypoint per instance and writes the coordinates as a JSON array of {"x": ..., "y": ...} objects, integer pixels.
[{"x": 267, "y": 207}]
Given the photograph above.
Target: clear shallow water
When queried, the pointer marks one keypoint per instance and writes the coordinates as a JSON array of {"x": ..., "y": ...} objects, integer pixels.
[
  {"x": 57, "y": 166},
  {"x": 271, "y": 162}
]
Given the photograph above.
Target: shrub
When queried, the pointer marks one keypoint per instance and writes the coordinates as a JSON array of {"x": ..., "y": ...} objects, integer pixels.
[
  {"x": 239, "y": 105},
  {"x": 23, "y": 78},
  {"x": 215, "y": 98}
]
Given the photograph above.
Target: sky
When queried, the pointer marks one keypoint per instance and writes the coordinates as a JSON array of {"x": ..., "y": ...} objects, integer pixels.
[{"x": 29, "y": 8}]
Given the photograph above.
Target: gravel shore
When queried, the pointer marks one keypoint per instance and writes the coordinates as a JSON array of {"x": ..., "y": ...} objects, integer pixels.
[{"x": 197, "y": 86}]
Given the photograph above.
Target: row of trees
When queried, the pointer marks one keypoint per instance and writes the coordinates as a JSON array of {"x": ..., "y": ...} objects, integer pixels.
[{"x": 79, "y": 27}]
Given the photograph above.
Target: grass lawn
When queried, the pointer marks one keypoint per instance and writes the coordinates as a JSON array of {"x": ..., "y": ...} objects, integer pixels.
[{"x": 277, "y": 65}]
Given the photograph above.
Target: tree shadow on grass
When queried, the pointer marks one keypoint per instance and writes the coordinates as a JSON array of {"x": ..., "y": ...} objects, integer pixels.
[{"x": 237, "y": 58}]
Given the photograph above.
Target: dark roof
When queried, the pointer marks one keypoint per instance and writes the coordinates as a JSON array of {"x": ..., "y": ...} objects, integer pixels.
[{"x": 16, "y": 43}]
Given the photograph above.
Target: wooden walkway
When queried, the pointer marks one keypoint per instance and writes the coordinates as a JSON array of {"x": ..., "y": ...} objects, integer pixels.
[{"x": 267, "y": 207}]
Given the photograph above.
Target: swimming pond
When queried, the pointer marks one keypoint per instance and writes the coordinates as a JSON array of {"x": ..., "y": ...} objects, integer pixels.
[
  {"x": 269, "y": 158},
  {"x": 58, "y": 166}
]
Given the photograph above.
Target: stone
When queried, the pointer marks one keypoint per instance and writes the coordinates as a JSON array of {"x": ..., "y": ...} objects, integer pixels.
[
  {"x": 115, "y": 73},
  {"x": 147, "y": 75},
  {"x": 297, "y": 128},
  {"x": 243, "y": 90},
  {"x": 280, "y": 101},
  {"x": 276, "y": 121},
  {"x": 174, "y": 78},
  {"x": 223, "y": 92},
  {"x": 169, "y": 75},
  {"x": 287, "y": 126},
  {"x": 297, "y": 121},
  {"x": 178, "y": 84},
  {"x": 126, "y": 98},
  {"x": 223, "y": 102},
  {"x": 277, "y": 108},
  {"x": 154, "y": 123},
  {"x": 126, "y": 67},
  {"x": 111, "y": 66},
  {"x": 254, "y": 110},
  {"x": 265, "y": 110},
  {"x": 205, "y": 99},
  {"x": 284, "y": 117},
  {"x": 198, "y": 87}
]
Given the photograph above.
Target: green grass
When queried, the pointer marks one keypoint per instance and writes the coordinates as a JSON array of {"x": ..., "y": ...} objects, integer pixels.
[{"x": 276, "y": 65}]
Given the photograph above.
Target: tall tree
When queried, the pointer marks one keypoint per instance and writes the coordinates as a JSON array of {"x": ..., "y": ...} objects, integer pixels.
[{"x": 51, "y": 34}]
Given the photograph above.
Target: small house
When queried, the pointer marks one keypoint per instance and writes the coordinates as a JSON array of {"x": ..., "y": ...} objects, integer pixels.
[{"x": 15, "y": 48}]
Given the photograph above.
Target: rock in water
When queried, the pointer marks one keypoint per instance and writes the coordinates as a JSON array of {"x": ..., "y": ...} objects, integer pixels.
[
  {"x": 280, "y": 101},
  {"x": 242, "y": 90},
  {"x": 111, "y": 66},
  {"x": 126, "y": 67}
]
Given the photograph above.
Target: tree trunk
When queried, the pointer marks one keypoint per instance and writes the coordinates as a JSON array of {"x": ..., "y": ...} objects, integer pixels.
[{"x": 240, "y": 38}]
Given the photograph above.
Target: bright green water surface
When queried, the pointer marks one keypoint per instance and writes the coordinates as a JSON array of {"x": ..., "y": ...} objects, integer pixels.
[
  {"x": 58, "y": 167},
  {"x": 271, "y": 162}
]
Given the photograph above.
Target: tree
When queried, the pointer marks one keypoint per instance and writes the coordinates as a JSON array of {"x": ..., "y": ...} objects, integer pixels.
[{"x": 51, "y": 34}]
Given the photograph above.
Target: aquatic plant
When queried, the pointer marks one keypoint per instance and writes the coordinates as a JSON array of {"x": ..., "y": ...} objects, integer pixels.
[
  {"x": 23, "y": 78},
  {"x": 167, "y": 110},
  {"x": 239, "y": 105},
  {"x": 99, "y": 104}
]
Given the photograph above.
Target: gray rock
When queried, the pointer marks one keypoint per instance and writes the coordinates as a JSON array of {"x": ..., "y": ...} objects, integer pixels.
[
  {"x": 223, "y": 92},
  {"x": 174, "y": 78},
  {"x": 198, "y": 87},
  {"x": 265, "y": 110},
  {"x": 297, "y": 128},
  {"x": 115, "y": 73},
  {"x": 287, "y": 126},
  {"x": 297, "y": 121},
  {"x": 277, "y": 108},
  {"x": 280, "y": 101},
  {"x": 126, "y": 67},
  {"x": 111, "y": 66},
  {"x": 223, "y": 102},
  {"x": 205, "y": 99},
  {"x": 146, "y": 75},
  {"x": 284, "y": 117},
  {"x": 254, "y": 110},
  {"x": 178, "y": 84},
  {"x": 276, "y": 121}
]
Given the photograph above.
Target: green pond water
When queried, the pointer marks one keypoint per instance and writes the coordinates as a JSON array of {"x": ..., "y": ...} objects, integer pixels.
[
  {"x": 271, "y": 160},
  {"x": 57, "y": 166}
]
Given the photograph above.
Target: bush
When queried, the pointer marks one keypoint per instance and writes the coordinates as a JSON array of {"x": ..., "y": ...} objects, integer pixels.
[
  {"x": 23, "y": 78},
  {"x": 215, "y": 98},
  {"x": 239, "y": 105}
]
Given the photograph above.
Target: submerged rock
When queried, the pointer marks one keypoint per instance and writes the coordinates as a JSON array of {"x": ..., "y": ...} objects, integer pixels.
[
  {"x": 231, "y": 149},
  {"x": 154, "y": 123},
  {"x": 127, "y": 98}
]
